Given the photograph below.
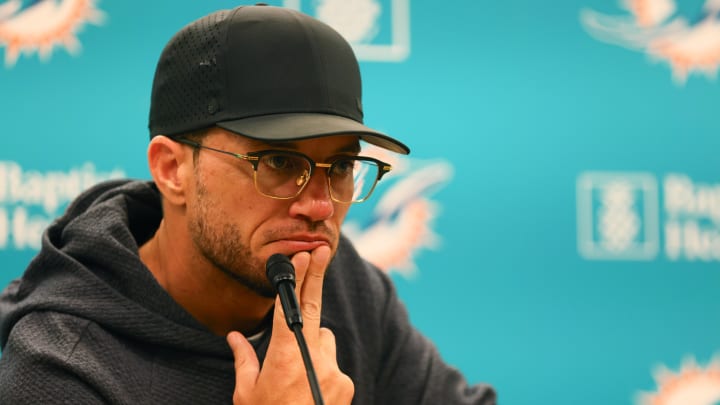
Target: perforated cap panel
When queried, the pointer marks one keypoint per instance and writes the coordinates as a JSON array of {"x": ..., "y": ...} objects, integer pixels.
[{"x": 186, "y": 87}]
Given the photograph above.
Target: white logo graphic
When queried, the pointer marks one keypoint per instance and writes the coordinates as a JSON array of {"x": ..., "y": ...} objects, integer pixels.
[
  {"x": 691, "y": 385},
  {"x": 692, "y": 224},
  {"x": 617, "y": 216},
  {"x": 377, "y": 30},
  {"x": 400, "y": 224},
  {"x": 653, "y": 27},
  {"x": 30, "y": 200},
  {"x": 41, "y": 25}
]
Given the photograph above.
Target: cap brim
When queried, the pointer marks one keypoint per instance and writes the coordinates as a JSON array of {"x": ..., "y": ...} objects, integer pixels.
[{"x": 297, "y": 126}]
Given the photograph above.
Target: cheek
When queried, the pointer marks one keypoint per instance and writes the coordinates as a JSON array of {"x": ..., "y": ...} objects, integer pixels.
[
  {"x": 341, "y": 211},
  {"x": 233, "y": 191},
  {"x": 233, "y": 200},
  {"x": 259, "y": 217}
]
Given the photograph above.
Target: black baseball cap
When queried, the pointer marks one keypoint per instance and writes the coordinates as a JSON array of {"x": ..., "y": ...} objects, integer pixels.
[{"x": 264, "y": 72}]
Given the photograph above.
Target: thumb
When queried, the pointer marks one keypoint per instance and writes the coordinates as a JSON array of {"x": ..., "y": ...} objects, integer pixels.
[{"x": 247, "y": 366}]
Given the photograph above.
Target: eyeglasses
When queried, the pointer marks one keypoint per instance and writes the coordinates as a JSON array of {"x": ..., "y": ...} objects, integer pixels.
[{"x": 283, "y": 175}]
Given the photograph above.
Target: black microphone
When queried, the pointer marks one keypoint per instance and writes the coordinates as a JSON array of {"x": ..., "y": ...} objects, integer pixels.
[{"x": 281, "y": 273}]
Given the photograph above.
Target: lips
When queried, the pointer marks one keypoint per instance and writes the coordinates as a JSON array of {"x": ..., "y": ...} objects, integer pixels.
[{"x": 292, "y": 244}]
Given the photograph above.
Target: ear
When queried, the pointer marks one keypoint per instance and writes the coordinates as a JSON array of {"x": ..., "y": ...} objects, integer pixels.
[{"x": 170, "y": 165}]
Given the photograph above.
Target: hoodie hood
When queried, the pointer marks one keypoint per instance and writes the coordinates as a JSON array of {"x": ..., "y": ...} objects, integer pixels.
[{"x": 89, "y": 267}]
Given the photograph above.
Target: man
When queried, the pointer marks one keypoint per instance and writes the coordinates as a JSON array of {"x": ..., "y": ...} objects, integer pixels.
[{"x": 155, "y": 292}]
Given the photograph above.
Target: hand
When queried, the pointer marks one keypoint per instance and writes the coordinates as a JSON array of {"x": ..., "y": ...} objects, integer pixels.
[{"x": 283, "y": 379}]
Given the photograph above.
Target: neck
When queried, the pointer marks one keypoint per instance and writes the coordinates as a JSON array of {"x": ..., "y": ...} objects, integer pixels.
[{"x": 208, "y": 294}]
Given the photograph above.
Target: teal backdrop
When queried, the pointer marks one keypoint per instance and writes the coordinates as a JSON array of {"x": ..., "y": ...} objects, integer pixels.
[{"x": 556, "y": 229}]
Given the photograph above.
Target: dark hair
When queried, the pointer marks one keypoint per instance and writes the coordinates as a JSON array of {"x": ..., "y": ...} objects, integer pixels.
[{"x": 196, "y": 136}]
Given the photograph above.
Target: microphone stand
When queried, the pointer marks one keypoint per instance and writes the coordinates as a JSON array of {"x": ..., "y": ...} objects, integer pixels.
[{"x": 309, "y": 369}]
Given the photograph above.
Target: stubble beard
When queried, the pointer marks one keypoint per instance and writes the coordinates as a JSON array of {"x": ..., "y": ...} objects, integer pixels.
[{"x": 219, "y": 241}]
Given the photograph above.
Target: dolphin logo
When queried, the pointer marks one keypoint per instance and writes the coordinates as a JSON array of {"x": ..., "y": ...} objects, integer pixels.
[
  {"x": 653, "y": 27},
  {"x": 401, "y": 224},
  {"x": 691, "y": 385},
  {"x": 41, "y": 25}
]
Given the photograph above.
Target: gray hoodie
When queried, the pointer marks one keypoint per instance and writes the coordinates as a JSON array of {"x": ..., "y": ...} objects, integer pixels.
[{"x": 87, "y": 323}]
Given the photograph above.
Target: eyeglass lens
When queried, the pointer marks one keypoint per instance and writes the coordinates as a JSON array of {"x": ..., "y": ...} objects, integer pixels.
[{"x": 284, "y": 175}]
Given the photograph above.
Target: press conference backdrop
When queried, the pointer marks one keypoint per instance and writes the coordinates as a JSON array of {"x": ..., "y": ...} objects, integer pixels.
[{"x": 556, "y": 230}]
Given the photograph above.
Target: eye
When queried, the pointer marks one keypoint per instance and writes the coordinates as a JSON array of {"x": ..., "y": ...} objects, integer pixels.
[
  {"x": 282, "y": 162},
  {"x": 344, "y": 167}
]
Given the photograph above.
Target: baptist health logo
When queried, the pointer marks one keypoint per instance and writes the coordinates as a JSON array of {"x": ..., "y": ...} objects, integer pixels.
[
  {"x": 619, "y": 217},
  {"x": 378, "y": 30},
  {"x": 31, "y": 199}
]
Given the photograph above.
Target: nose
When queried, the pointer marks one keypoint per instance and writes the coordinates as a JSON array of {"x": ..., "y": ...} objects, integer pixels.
[{"x": 314, "y": 202}]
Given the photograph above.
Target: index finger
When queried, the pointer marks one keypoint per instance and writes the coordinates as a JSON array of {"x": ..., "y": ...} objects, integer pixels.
[{"x": 310, "y": 291}]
